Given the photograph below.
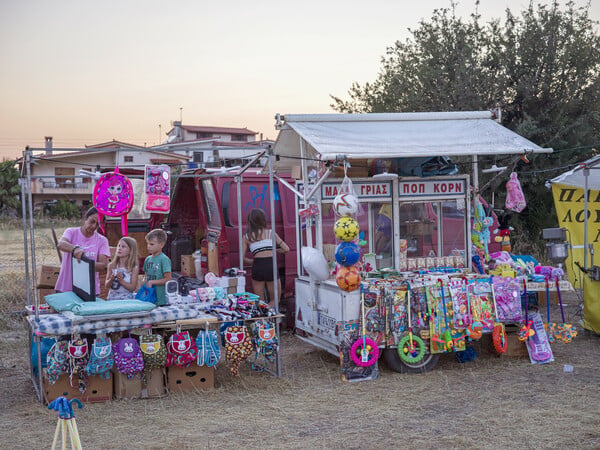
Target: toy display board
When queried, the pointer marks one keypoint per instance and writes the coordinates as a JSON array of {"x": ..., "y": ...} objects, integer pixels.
[
  {"x": 396, "y": 315},
  {"x": 349, "y": 370},
  {"x": 113, "y": 196},
  {"x": 479, "y": 294},
  {"x": 508, "y": 299},
  {"x": 157, "y": 188},
  {"x": 443, "y": 336}
]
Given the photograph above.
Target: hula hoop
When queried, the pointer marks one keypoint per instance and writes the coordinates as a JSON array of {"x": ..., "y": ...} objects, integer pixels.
[
  {"x": 499, "y": 339},
  {"x": 404, "y": 352},
  {"x": 358, "y": 345}
]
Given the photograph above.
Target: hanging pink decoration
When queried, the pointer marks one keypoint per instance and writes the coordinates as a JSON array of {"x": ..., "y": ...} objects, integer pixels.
[
  {"x": 515, "y": 200},
  {"x": 157, "y": 186}
]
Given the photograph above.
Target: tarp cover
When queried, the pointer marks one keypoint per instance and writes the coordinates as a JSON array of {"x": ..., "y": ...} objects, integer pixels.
[
  {"x": 576, "y": 177},
  {"x": 395, "y": 135}
]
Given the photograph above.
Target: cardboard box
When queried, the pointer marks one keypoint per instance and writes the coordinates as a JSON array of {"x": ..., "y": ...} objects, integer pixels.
[
  {"x": 188, "y": 267},
  {"x": 47, "y": 276},
  {"x": 125, "y": 388},
  {"x": 43, "y": 292},
  {"x": 98, "y": 389},
  {"x": 156, "y": 385},
  {"x": 542, "y": 298},
  {"x": 192, "y": 378},
  {"x": 296, "y": 172},
  {"x": 232, "y": 290}
]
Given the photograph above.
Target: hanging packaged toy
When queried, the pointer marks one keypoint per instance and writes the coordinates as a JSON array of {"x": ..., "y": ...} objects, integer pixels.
[
  {"x": 154, "y": 354},
  {"x": 128, "y": 357},
  {"x": 113, "y": 196},
  {"x": 78, "y": 352},
  {"x": 238, "y": 347},
  {"x": 515, "y": 200},
  {"x": 101, "y": 358},
  {"x": 157, "y": 187}
]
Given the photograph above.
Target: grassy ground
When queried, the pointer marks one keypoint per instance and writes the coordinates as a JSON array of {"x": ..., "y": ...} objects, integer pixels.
[{"x": 488, "y": 403}]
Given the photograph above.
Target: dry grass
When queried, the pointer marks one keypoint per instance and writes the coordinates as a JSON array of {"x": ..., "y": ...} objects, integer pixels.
[{"x": 488, "y": 403}]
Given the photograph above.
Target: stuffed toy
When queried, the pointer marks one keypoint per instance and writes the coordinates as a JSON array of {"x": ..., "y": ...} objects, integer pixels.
[
  {"x": 503, "y": 233},
  {"x": 552, "y": 273},
  {"x": 481, "y": 229}
]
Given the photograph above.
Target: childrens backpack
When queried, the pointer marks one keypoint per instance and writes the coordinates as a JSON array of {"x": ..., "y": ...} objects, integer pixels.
[
  {"x": 78, "y": 359},
  {"x": 209, "y": 351},
  {"x": 181, "y": 350},
  {"x": 101, "y": 358},
  {"x": 238, "y": 346},
  {"x": 128, "y": 357},
  {"x": 264, "y": 340},
  {"x": 113, "y": 196},
  {"x": 57, "y": 360},
  {"x": 154, "y": 353}
]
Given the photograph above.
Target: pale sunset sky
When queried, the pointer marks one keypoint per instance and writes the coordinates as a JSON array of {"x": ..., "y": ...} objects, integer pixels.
[{"x": 87, "y": 72}]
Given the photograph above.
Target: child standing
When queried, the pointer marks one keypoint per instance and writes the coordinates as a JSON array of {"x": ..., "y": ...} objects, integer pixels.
[
  {"x": 122, "y": 273},
  {"x": 157, "y": 265}
]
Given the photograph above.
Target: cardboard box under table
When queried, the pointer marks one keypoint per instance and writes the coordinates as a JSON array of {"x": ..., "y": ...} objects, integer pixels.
[
  {"x": 126, "y": 388},
  {"x": 98, "y": 389},
  {"x": 190, "y": 379},
  {"x": 47, "y": 276}
]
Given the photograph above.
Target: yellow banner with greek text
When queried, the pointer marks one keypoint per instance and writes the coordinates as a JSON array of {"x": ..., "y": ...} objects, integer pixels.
[{"x": 570, "y": 210}]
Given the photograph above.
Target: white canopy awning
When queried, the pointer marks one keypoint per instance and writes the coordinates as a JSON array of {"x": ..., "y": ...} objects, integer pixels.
[
  {"x": 397, "y": 135},
  {"x": 576, "y": 176}
]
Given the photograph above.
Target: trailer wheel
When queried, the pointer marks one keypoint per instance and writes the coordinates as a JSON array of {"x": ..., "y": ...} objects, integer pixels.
[{"x": 394, "y": 362}]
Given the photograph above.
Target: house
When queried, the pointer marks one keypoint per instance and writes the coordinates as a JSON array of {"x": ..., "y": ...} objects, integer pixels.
[
  {"x": 210, "y": 146},
  {"x": 56, "y": 173}
]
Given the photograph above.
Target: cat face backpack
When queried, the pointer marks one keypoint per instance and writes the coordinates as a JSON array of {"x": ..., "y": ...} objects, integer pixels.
[
  {"x": 181, "y": 350},
  {"x": 128, "y": 357},
  {"x": 154, "y": 353},
  {"x": 238, "y": 346},
  {"x": 101, "y": 358},
  {"x": 78, "y": 359}
]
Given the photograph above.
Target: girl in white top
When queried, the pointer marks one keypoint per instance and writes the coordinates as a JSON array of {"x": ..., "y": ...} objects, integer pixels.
[
  {"x": 259, "y": 240},
  {"x": 122, "y": 272}
]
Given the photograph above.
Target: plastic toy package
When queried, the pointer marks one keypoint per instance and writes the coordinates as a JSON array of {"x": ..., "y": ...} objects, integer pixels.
[
  {"x": 349, "y": 370},
  {"x": 538, "y": 345},
  {"x": 508, "y": 300},
  {"x": 157, "y": 188}
]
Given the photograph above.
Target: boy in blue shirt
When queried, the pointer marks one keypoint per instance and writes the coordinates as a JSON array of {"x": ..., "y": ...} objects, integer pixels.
[{"x": 157, "y": 265}]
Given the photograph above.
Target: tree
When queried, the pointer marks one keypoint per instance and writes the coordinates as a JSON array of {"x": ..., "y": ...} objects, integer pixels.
[
  {"x": 542, "y": 68},
  {"x": 9, "y": 186}
]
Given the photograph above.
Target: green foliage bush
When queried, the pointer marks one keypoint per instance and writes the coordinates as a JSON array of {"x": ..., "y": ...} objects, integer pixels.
[{"x": 66, "y": 210}]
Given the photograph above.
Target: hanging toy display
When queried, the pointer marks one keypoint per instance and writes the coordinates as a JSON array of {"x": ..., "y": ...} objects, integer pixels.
[
  {"x": 346, "y": 229},
  {"x": 113, "y": 196},
  {"x": 515, "y": 200},
  {"x": 157, "y": 188},
  {"x": 364, "y": 352},
  {"x": 411, "y": 348}
]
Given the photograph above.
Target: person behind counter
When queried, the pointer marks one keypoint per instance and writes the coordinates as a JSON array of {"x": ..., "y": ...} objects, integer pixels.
[
  {"x": 259, "y": 240},
  {"x": 157, "y": 265},
  {"x": 79, "y": 241},
  {"x": 122, "y": 273}
]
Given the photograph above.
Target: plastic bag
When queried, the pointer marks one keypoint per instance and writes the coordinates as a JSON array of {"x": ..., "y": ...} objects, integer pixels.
[
  {"x": 515, "y": 200},
  {"x": 146, "y": 294},
  {"x": 315, "y": 264},
  {"x": 346, "y": 201}
]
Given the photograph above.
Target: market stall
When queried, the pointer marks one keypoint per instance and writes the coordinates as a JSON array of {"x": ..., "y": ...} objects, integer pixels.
[
  {"x": 576, "y": 198},
  {"x": 91, "y": 339},
  {"x": 415, "y": 233}
]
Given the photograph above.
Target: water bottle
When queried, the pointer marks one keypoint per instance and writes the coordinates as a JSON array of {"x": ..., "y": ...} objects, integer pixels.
[{"x": 115, "y": 283}]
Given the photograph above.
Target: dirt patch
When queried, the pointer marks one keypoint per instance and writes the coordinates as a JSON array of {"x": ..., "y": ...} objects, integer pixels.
[{"x": 487, "y": 403}]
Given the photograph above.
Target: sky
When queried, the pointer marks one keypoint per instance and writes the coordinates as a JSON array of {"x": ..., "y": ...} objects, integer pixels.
[{"x": 86, "y": 72}]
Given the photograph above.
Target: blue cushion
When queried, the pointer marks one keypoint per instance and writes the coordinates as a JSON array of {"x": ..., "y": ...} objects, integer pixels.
[
  {"x": 63, "y": 301},
  {"x": 111, "y": 307}
]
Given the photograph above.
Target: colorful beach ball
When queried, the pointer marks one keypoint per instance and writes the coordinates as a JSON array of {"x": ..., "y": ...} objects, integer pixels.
[
  {"x": 346, "y": 229},
  {"x": 348, "y": 278},
  {"x": 347, "y": 254}
]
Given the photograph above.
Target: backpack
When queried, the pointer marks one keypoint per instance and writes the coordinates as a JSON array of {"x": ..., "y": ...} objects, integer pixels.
[
  {"x": 515, "y": 200},
  {"x": 181, "y": 350},
  {"x": 154, "y": 353},
  {"x": 78, "y": 359},
  {"x": 128, "y": 357},
  {"x": 57, "y": 361},
  {"x": 101, "y": 358},
  {"x": 238, "y": 346},
  {"x": 209, "y": 351},
  {"x": 113, "y": 196},
  {"x": 264, "y": 340}
]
